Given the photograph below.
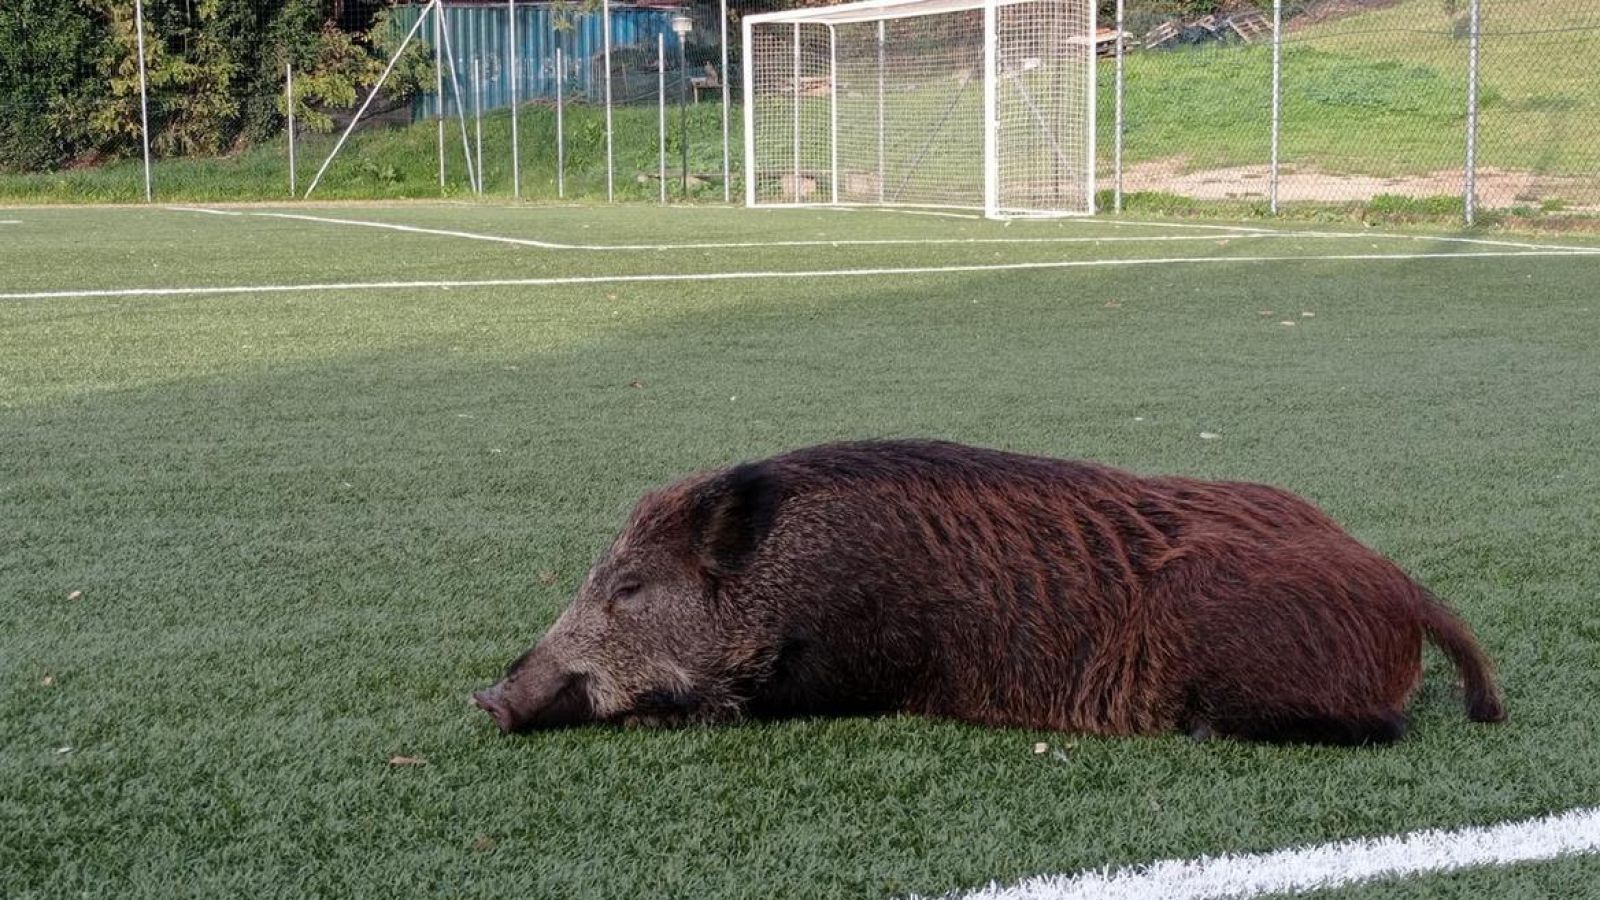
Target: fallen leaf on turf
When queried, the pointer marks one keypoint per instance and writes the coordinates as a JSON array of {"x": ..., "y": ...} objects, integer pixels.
[
  {"x": 75, "y": 595},
  {"x": 63, "y": 750},
  {"x": 636, "y": 383},
  {"x": 547, "y": 578},
  {"x": 48, "y": 681},
  {"x": 1287, "y": 322},
  {"x": 1040, "y": 747},
  {"x": 1209, "y": 435},
  {"x": 1113, "y": 304},
  {"x": 1307, "y": 314},
  {"x": 483, "y": 842},
  {"x": 400, "y": 761},
  {"x": 1263, "y": 312}
]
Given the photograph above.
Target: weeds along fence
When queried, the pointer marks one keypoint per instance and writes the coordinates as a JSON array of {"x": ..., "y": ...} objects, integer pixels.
[{"x": 1434, "y": 107}]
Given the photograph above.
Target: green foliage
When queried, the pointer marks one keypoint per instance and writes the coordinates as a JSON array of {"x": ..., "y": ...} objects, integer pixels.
[{"x": 45, "y": 92}]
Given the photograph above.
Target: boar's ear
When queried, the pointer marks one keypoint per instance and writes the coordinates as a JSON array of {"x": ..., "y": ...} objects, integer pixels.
[{"x": 731, "y": 516}]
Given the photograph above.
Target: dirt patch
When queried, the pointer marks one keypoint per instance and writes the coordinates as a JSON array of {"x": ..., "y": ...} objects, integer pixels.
[
  {"x": 1329, "y": 10},
  {"x": 1497, "y": 188}
]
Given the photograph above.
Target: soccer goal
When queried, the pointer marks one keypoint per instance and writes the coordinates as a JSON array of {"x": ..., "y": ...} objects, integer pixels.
[{"x": 967, "y": 104}]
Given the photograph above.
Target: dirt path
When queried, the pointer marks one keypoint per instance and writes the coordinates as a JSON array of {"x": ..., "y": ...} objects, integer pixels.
[{"x": 1497, "y": 188}]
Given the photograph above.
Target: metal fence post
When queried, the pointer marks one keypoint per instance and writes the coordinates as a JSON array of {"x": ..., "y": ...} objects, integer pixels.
[
  {"x": 727, "y": 163},
  {"x": 561, "y": 135},
  {"x": 288, "y": 90},
  {"x": 144, "y": 98},
  {"x": 661, "y": 114},
  {"x": 1470, "y": 183},
  {"x": 438, "y": 79},
  {"x": 511, "y": 60},
  {"x": 605, "y": 30},
  {"x": 477, "y": 116},
  {"x": 1116, "y": 138},
  {"x": 1277, "y": 103}
]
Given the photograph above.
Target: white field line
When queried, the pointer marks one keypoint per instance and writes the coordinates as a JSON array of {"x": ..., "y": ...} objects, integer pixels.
[
  {"x": 205, "y": 211},
  {"x": 565, "y": 281},
  {"x": 1322, "y": 866},
  {"x": 751, "y": 245},
  {"x": 884, "y": 242},
  {"x": 10, "y": 222}
]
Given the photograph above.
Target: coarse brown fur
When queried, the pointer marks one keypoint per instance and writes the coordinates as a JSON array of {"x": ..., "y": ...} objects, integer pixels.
[{"x": 994, "y": 588}]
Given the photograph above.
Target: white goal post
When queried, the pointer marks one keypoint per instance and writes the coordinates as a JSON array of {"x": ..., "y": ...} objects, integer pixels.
[{"x": 964, "y": 104}]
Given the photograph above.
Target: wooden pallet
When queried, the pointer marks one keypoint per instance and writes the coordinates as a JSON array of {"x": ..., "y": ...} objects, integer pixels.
[
  {"x": 1250, "y": 26},
  {"x": 1163, "y": 34}
]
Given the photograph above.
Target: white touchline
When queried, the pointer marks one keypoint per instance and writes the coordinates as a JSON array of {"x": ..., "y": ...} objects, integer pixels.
[
  {"x": 1242, "y": 234},
  {"x": 570, "y": 280},
  {"x": 1322, "y": 866}
]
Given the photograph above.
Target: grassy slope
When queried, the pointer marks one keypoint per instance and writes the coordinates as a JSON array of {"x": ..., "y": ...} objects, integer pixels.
[
  {"x": 305, "y": 525},
  {"x": 1379, "y": 93},
  {"x": 1382, "y": 92}
]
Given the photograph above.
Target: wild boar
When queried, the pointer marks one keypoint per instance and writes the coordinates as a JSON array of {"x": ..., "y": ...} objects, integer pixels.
[{"x": 994, "y": 588}]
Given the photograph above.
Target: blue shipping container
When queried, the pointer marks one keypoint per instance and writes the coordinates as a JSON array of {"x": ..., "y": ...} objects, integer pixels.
[{"x": 479, "y": 32}]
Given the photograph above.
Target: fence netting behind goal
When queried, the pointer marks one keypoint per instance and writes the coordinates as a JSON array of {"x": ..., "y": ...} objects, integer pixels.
[{"x": 893, "y": 110}]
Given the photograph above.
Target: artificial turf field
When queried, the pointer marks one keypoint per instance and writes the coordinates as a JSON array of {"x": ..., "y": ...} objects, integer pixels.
[{"x": 259, "y": 540}]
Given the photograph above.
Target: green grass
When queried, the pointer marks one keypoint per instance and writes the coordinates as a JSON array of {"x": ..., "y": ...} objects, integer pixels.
[
  {"x": 1378, "y": 93},
  {"x": 388, "y": 163},
  {"x": 305, "y": 525}
]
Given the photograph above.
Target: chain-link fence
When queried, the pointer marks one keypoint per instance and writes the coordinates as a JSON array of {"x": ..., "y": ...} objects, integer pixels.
[{"x": 1438, "y": 107}]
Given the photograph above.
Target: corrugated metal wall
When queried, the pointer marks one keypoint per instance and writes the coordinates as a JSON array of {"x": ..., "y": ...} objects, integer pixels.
[{"x": 479, "y": 32}]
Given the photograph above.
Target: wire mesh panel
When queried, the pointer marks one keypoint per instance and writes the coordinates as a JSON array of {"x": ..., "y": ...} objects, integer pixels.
[
  {"x": 953, "y": 103},
  {"x": 1044, "y": 97},
  {"x": 910, "y": 110},
  {"x": 1539, "y": 123},
  {"x": 1375, "y": 103}
]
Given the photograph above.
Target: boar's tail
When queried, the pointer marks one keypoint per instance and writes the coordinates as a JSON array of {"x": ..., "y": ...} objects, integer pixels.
[{"x": 1453, "y": 636}]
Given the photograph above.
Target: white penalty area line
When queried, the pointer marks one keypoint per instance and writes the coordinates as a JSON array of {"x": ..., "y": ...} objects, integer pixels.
[
  {"x": 578, "y": 280},
  {"x": 1340, "y": 864},
  {"x": 750, "y": 245},
  {"x": 1231, "y": 235}
]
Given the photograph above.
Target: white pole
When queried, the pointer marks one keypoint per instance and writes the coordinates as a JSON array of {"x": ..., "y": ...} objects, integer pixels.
[
  {"x": 288, "y": 90},
  {"x": 1470, "y": 185},
  {"x": 461, "y": 104},
  {"x": 991, "y": 104},
  {"x": 749, "y": 104},
  {"x": 477, "y": 115},
  {"x": 796, "y": 105},
  {"x": 511, "y": 57},
  {"x": 661, "y": 112},
  {"x": 144, "y": 99},
  {"x": 438, "y": 81},
  {"x": 1116, "y": 138},
  {"x": 561, "y": 136},
  {"x": 833, "y": 114},
  {"x": 1091, "y": 163},
  {"x": 883, "y": 169},
  {"x": 368, "y": 102},
  {"x": 727, "y": 149},
  {"x": 1277, "y": 104},
  {"x": 605, "y": 27}
]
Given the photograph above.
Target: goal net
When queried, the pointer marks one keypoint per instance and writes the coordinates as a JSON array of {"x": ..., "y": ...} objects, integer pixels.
[{"x": 969, "y": 104}]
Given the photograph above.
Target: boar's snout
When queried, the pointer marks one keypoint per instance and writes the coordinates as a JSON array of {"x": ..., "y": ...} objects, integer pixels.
[{"x": 552, "y": 700}]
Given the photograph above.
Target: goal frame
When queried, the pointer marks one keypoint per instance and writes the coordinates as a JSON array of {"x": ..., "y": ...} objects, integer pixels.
[{"x": 868, "y": 11}]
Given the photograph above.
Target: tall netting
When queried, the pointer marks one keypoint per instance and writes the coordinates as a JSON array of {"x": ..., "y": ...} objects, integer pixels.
[
  {"x": 937, "y": 103},
  {"x": 1044, "y": 94},
  {"x": 911, "y": 110}
]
